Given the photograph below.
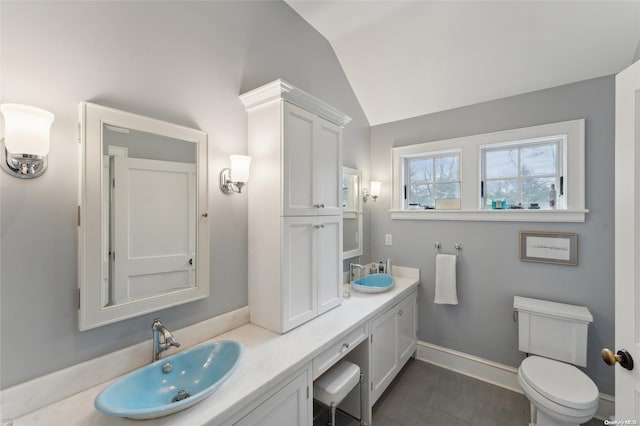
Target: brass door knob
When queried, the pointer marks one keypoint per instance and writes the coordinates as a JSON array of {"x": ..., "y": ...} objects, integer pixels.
[{"x": 623, "y": 357}]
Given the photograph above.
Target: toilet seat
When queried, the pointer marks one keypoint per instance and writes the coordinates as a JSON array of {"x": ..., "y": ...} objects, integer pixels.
[
  {"x": 561, "y": 383},
  {"x": 564, "y": 415}
]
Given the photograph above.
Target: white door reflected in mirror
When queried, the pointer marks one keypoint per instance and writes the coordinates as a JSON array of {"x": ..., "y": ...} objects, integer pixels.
[{"x": 149, "y": 215}]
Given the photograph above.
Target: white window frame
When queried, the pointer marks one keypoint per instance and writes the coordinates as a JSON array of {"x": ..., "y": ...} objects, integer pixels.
[
  {"x": 432, "y": 156},
  {"x": 470, "y": 175},
  {"x": 561, "y": 143}
]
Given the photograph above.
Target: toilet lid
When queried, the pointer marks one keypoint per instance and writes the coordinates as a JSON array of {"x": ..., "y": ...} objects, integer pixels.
[{"x": 559, "y": 382}]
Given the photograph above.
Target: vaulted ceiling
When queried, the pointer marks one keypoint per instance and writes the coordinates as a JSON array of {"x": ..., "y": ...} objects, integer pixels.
[{"x": 410, "y": 58}]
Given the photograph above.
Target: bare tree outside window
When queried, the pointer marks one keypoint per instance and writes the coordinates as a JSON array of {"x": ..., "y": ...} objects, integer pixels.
[{"x": 432, "y": 177}]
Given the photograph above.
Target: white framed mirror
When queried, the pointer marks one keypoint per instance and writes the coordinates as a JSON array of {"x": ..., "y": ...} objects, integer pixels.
[
  {"x": 143, "y": 221},
  {"x": 351, "y": 213}
]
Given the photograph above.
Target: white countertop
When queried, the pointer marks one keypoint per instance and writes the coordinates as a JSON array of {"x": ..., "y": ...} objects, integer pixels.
[{"x": 267, "y": 359}]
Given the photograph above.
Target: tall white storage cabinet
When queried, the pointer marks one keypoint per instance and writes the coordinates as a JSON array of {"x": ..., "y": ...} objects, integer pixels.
[{"x": 295, "y": 206}]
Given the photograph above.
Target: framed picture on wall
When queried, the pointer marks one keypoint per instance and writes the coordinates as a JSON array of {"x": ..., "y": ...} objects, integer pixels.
[{"x": 549, "y": 247}]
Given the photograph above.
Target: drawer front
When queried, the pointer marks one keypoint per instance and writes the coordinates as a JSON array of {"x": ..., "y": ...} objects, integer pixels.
[{"x": 326, "y": 359}]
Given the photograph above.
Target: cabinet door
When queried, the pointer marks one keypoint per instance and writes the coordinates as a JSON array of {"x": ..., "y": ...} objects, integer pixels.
[
  {"x": 299, "y": 303},
  {"x": 329, "y": 258},
  {"x": 298, "y": 166},
  {"x": 327, "y": 146},
  {"x": 406, "y": 328},
  {"x": 290, "y": 406},
  {"x": 383, "y": 348},
  {"x": 312, "y": 167}
]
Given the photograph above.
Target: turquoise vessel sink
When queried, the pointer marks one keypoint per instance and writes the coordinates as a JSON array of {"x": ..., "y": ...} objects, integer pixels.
[
  {"x": 171, "y": 384},
  {"x": 374, "y": 283}
]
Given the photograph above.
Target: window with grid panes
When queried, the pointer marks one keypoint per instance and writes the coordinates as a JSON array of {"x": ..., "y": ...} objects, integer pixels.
[
  {"x": 430, "y": 177},
  {"x": 523, "y": 173}
]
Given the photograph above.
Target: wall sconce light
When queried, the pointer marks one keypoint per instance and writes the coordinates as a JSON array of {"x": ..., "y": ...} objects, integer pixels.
[
  {"x": 375, "y": 191},
  {"x": 240, "y": 170},
  {"x": 25, "y": 146}
]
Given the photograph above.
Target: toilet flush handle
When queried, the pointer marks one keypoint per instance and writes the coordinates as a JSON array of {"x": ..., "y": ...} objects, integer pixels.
[{"x": 623, "y": 357}]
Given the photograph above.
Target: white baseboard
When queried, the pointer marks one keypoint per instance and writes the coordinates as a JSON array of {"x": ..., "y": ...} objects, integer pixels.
[{"x": 488, "y": 371}]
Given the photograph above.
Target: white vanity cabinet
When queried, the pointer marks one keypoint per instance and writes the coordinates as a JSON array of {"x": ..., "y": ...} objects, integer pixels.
[
  {"x": 393, "y": 341},
  {"x": 407, "y": 327},
  {"x": 295, "y": 206},
  {"x": 290, "y": 403}
]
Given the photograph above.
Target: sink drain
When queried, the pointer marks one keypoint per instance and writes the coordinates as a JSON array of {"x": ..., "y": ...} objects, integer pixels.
[{"x": 182, "y": 394}]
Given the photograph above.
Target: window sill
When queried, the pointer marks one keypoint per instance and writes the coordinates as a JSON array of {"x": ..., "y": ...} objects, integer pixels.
[{"x": 493, "y": 215}]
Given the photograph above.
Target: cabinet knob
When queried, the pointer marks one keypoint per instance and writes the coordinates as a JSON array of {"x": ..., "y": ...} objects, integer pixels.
[
  {"x": 345, "y": 345},
  {"x": 205, "y": 214},
  {"x": 400, "y": 312},
  {"x": 319, "y": 206},
  {"x": 318, "y": 226}
]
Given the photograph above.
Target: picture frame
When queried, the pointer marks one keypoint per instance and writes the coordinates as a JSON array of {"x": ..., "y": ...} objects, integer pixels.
[{"x": 560, "y": 248}]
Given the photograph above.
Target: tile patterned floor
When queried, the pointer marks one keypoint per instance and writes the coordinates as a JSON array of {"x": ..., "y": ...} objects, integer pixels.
[{"x": 424, "y": 395}]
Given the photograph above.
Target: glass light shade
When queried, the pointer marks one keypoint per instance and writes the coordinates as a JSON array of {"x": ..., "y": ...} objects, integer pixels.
[
  {"x": 240, "y": 168},
  {"x": 375, "y": 188},
  {"x": 26, "y": 129}
]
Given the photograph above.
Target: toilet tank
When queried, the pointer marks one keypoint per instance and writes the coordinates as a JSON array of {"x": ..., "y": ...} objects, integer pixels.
[{"x": 553, "y": 330}]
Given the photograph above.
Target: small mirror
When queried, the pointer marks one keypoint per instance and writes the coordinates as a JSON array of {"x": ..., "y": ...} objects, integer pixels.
[
  {"x": 351, "y": 213},
  {"x": 143, "y": 220}
]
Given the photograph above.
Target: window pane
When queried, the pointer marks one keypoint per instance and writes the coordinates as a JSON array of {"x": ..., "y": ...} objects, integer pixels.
[
  {"x": 421, "y": 194},
  {"x": 501, "y": 163},
  {"x": 447, "y": 169},
  {"x": 506, "y": 188},
  {"x": 536, "y": 190},
  {"x": 420, "y": 170},
  {"x": 538, "y": 160},
  {"x": 447, "y": 190}
]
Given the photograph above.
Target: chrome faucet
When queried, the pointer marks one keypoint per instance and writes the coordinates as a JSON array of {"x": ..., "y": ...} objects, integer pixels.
[
  {"x": 351, "y": 268},
  {"x": 162, "y": 339}
]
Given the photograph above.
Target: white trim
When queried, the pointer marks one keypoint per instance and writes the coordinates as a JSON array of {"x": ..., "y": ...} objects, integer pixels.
[
  {"x": 470, "y": 175},
  {"x": 523, "y": 215},
  {"x": 44, "y": 390},
  {"x": 488, "y": 371},
  {"x": 492, "y": 372},
  {"x": 281, "y": 90}
]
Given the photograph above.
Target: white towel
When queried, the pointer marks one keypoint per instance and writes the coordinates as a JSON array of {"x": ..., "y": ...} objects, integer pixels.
[{"x": 446, "y": 279}]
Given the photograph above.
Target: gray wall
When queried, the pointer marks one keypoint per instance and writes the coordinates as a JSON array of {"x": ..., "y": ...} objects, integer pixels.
[
  {"x": 184, "y": 62},
  {"x": 636, "y": 57},
  {"x": 489, "y": 271}
]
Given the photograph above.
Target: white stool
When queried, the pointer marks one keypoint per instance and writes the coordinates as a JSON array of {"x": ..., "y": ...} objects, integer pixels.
[{"x": 335, "y": 384}]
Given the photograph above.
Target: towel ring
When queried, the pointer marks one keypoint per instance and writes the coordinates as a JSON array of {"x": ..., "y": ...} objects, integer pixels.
[{"x": 457, "y": 246}]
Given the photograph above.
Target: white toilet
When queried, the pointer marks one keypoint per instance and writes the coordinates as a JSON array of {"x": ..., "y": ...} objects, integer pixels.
[{"x": 554, "y": 335}]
